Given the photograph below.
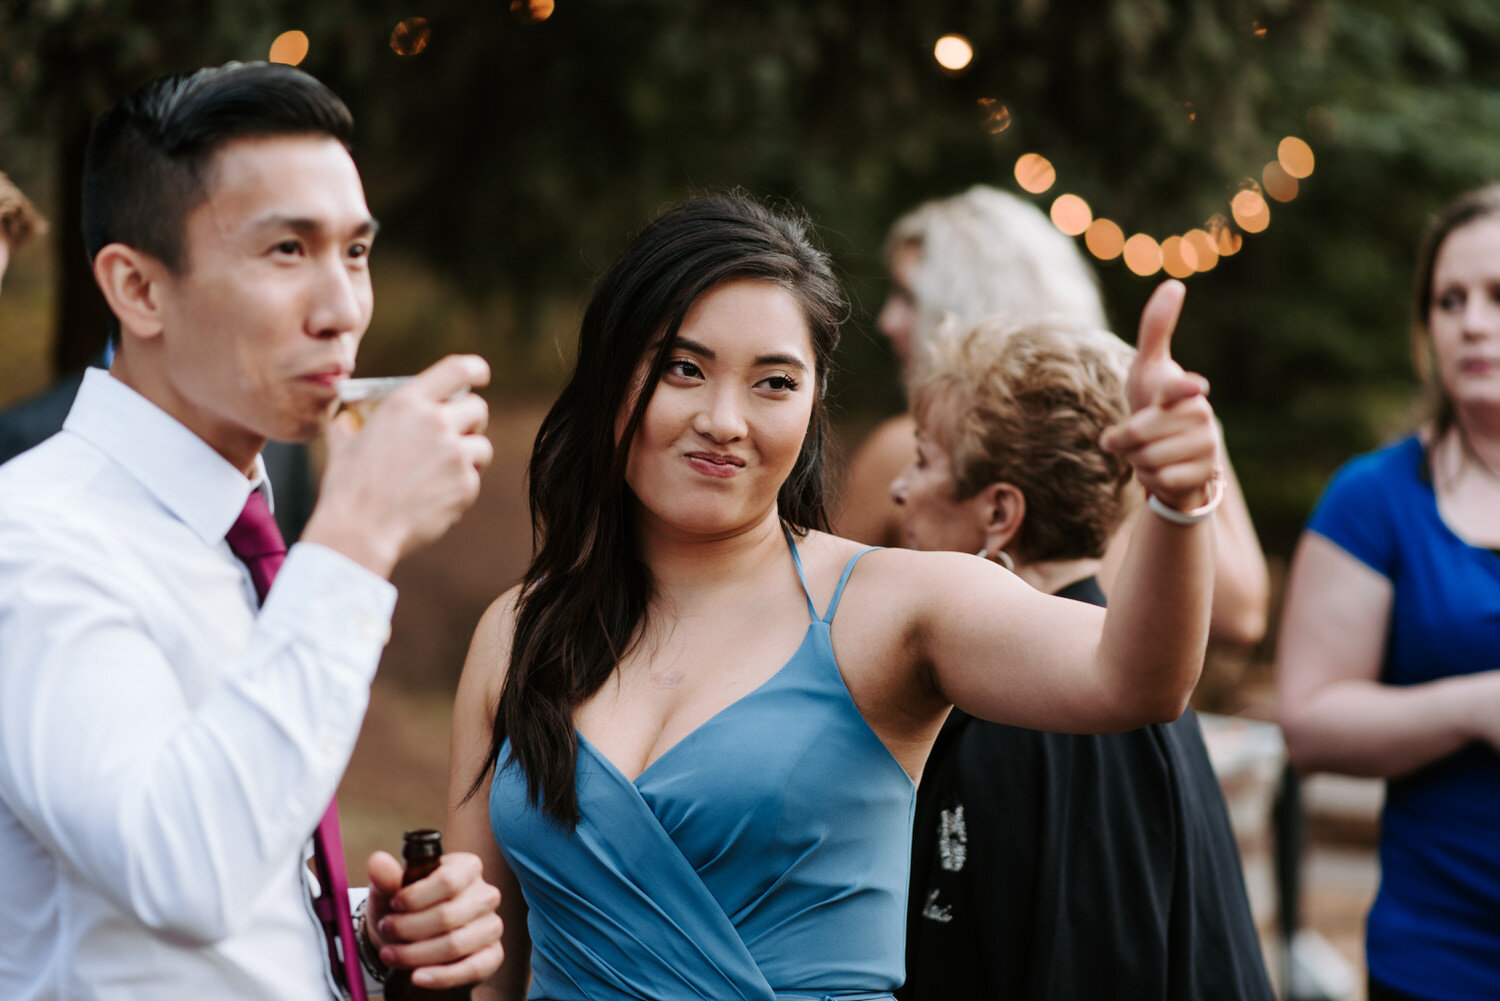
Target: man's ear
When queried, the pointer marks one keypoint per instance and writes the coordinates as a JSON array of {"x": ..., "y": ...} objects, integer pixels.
[
  {"x": 1004, "y": 510},
  {"x": 131, "y": 281}
]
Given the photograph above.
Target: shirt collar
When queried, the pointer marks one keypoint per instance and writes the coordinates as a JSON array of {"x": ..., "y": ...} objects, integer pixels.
[{"x": 192, "y": 481}]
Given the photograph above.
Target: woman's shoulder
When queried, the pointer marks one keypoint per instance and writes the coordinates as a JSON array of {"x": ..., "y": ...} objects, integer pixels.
[
  {"x": 489, "y": 650},
  {"x": 892, "y": 566},
  {"x": 1401, "y": 457}
]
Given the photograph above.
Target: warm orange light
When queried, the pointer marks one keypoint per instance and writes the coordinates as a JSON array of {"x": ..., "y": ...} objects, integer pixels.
[
  {"x": 290, "y": 47},
  {"x": 953, "y": 53},
  {"x": 1226, "y": 241},
  {"x": 996, "y": 116},
  {"x": 1142, "y": 255},
  {"x": 1035, "y": 173},
  {"x": 411, "y": 36},
  {"x": 1071, "y": 214},
  {"x": 1105, "y": 239},
  {"x": 1251, "y": 211},
  {"x": 1177, "y": 258},
  {"x": 1295, "y": 156},
  {"x": 531, "y": 11},
  {"x": 1203, "y": 247},
  {"x": 1278, "y": 183}
]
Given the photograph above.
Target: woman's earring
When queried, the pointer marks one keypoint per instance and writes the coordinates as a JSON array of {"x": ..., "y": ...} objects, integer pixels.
[{"x": 1001, "y": 557}]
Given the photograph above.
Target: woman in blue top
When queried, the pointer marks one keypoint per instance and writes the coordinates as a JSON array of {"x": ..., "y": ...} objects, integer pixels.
[
  {"x": 698, "y": 721},
  {"x": 1390, "y": 642}
]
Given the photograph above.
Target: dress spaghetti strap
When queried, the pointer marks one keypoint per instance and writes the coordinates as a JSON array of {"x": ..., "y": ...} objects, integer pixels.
[
  {"x": 838, "y": 593},
  {"x": 791, "y": 541}
]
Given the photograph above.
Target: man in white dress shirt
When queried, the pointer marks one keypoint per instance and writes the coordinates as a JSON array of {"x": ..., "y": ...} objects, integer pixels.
[{"x": 166, "y": 747}]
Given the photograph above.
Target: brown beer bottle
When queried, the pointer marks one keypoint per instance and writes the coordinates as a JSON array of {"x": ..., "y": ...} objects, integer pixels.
[{"x": 422, "y": 850}]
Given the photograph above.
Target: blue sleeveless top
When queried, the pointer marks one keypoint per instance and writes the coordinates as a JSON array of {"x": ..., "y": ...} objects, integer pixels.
[{"x": 763, "y": 857}]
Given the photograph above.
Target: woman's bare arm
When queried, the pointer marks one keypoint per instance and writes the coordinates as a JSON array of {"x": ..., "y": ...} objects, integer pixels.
[
  {"x": 997, "y": 649},
  {"x": 468, "y": 823},
  {"x": 1242, "y": 586},
  {"x": 1335, "y": 713}
]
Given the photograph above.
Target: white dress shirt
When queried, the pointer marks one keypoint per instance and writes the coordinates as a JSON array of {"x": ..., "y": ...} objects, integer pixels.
[{"x": 165, "y": 751}]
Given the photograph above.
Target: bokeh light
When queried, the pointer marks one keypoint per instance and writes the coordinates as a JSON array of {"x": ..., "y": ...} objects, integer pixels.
[
  {"x": 1203, "y": 246},
  {"x": 1178, "y": 259},
  {"x": 411, "y": 36},
  {"x": 531, "y": 11},
  {"x": 1226, "y": 241},
  {"x": 1071, "y": 214},
  {"x": 1278, "y": 183},
  {"x": 953, "y": 53},
  {"x": 1295, "y": 156},
  {"x": 290, "y": 47},
  {"x": 1142, "y": 255},
  {"x": 1251, "y": 211},
  {"x": 1105, "y": 239},
  {"x": 994, "y": 115},
  {"x": 1035, "y": 173}
]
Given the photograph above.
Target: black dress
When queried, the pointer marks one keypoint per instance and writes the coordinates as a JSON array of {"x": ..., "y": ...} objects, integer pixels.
[{"x": 1053, "y": 867}]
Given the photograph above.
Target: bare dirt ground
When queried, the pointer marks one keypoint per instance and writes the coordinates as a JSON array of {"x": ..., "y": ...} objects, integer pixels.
[{"x": 397, "y": 779}]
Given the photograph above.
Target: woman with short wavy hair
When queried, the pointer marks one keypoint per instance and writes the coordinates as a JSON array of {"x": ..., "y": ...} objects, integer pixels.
[{"x": 1033, "y": 852}]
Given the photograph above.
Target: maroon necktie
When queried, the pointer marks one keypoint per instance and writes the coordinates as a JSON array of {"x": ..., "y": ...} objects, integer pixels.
[{"x": 257, "y": 541}]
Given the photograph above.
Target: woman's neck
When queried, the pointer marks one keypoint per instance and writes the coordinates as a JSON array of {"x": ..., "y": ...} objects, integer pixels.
[
  {"x": 1051, "y": 576},
  {"x": 682, "y": 563},
  {"x": 1471, "y": 446}
]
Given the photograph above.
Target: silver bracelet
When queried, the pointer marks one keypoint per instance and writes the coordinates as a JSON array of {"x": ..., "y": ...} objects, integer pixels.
[
  {"x": 369, "y": 956},
  {"x": 1197, "y": 514}
]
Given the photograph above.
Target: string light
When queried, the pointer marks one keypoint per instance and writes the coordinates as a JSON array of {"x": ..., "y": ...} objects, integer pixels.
[
  {"x": 1071, "y": 214},
  {"x": 1143, "y": 255},
  {"x": 411, "y": 36},
  {"x": 1178, "y": 258},
  {"x": 1207, "y": 255},
  {"x": 531, "y": 11},
  {"x": 953, "y": 53},
  {"x": 1035, "y": 173},
  {"x": 1105, "y": 239},
  {"x": 1277, "y": 182},
  {"x": 290, "y": 47},
  {"x": 1295, "y": 156},
  {"x": 1180, "y": 255},
  {"x": 994, "y": 115},
  {"x": 1250, "y": 211}
]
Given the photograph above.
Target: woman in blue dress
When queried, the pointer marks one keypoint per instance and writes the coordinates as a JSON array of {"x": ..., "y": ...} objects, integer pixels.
[
  {"x": 686, "y": 745},
  {"x": 1389, "y": 659}
]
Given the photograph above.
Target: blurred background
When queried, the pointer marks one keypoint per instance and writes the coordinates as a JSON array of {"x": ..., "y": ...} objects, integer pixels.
[{"x": 1280, "y": 156}]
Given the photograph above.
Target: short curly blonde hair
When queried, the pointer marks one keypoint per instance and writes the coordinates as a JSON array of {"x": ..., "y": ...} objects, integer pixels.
[
  {"x": 1025, "y": 404},
  {"x": 19, "y": 219}
]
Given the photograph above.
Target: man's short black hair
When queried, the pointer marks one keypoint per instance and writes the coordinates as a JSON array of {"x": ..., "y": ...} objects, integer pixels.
[{"x": 143, "y": 173}]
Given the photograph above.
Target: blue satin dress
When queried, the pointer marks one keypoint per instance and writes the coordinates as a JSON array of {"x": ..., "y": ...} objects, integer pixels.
[{"x": 764, "y": 857}]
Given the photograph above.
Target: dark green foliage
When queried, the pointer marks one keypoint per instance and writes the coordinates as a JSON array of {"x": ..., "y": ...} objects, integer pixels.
[{"x": 515, "y": 159}]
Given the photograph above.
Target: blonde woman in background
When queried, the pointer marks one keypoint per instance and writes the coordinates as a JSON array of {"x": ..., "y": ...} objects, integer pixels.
[
  {"x": 1047, "y": 865},
  {"x": 988, "y": 253}
]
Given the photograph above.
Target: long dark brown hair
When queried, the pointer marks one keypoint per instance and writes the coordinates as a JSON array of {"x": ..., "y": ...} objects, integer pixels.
[{"x": 583, "y": 601}]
